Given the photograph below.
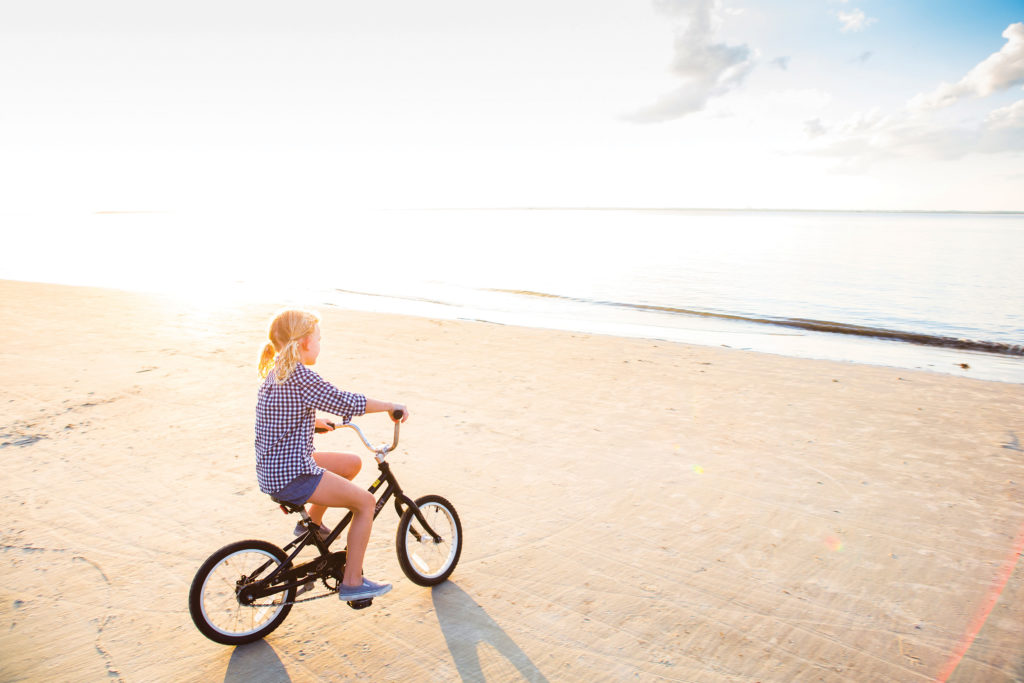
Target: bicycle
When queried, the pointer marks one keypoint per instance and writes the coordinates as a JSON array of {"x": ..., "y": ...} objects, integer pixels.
[{"x": 244, "y": 591}]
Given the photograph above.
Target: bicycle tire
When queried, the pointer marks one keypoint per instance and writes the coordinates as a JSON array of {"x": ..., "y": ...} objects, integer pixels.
[
  {"x": 213, "y": 601},
  {"x": 425, "y": 562}
]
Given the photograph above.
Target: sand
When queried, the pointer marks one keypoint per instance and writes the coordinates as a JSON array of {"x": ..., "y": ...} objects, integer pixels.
[{"x": 632, "y": 510}]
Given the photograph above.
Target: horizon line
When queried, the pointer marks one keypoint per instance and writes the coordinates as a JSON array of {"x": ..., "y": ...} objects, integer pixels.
[
  {"x": 706, "y": 208},
  {"x": 680, "y": 209}
]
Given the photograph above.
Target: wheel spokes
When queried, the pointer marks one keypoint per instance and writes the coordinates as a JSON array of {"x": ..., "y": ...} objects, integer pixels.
[
  {"x": 220, "y": 601},
  {"x": 430, "y": 556}
]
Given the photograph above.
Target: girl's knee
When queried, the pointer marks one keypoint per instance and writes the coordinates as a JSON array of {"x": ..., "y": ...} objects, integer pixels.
[
  {"x": 355, "y": 467},
  {"x": 366, "y": 501}
]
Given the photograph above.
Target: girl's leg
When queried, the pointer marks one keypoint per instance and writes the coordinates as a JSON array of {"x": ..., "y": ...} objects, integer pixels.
[
  {"x": 343, "y": 464},
  {"x": 335, "y": 491}
]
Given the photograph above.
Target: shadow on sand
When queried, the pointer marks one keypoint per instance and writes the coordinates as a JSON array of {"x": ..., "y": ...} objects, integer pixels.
[
  {"x": 467, "y": 627},
  {"x": 255, "y": 662}
]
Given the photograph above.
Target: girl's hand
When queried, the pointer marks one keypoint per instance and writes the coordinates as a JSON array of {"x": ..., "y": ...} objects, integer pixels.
[
  {"x": 323, "y": 425},
  {"x": 399, "y": 406}
]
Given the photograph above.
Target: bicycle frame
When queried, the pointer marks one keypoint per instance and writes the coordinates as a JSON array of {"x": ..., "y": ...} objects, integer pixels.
[{"x": 288, "y": 576}]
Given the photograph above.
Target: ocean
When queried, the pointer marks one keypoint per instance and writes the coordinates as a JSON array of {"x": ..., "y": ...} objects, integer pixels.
[{"x": 942, "y": 292}]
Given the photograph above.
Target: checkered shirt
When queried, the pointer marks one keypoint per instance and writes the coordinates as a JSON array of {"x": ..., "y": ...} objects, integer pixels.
[{"x": 285, "y": 415}]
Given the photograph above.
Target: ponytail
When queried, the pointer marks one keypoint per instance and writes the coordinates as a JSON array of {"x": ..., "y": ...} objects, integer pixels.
[
  {"x": 287, "y": 359},
  {"x": 281, "y": 354},
  {"x": 266, "y": 360}
]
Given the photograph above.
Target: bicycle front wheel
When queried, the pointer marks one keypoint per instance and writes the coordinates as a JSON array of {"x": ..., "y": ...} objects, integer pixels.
[
  {"x": 214, "y": 601},
  {"x": 425, "y": 561}
]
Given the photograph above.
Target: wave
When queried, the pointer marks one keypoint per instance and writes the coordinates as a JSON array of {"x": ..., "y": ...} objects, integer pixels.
[{"x": 1002, "y": 348}]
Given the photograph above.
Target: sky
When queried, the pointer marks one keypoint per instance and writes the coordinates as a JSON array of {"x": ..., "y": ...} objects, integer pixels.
[{"x": 120, "y": 105}]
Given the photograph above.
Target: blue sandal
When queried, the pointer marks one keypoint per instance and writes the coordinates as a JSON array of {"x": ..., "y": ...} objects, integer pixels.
[{"x": 368, "y": 590}]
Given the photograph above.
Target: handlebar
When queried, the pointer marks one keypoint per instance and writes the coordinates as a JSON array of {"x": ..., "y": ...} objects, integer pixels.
[{"x": 381, "y": 451}]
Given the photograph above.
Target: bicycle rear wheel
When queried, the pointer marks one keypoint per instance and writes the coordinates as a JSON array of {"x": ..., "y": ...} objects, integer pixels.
[
  {"x": 427, "y": 562},
  {"x": 214, "y": 601}
]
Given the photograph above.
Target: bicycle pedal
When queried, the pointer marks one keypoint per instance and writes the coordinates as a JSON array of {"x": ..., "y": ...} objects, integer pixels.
[
  {"x": 305, "y": 588},
  {"x": 360, "y": 604}
]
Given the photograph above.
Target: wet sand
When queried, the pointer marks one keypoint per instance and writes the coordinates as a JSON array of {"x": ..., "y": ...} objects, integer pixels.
[{"x": 632, "y": 509}]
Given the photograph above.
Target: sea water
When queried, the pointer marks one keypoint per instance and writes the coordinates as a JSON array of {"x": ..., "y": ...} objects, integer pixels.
[{"x": 935, "y": 291}]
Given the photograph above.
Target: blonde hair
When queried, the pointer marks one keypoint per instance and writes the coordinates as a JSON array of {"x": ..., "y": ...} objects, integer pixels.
[{"x": 281, "y": 353}]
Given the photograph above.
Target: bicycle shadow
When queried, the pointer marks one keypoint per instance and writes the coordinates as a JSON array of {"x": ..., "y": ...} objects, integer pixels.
[
  {"x": 466, "y": 627},
  {"x": 255, "y": 662}
]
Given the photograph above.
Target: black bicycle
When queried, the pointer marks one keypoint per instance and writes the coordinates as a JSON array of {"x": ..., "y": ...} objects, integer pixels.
[{"x": 246, "y": 589}]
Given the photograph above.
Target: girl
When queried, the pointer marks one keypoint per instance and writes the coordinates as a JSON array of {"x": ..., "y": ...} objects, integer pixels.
[{"x": 287, "y": 467}]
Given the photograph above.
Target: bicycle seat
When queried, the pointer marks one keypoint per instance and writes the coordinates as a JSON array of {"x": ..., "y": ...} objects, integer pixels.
[{"x": 287, "y": 507}]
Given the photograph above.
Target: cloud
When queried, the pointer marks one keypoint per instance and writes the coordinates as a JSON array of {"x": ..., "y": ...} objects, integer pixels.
[
  {"x": 872, "y": 137},
  {"x": 854, "y": 20},
  {"x": 781, "y": 62},
  {"x": 862, "y": 58},
  {"x": 1007, "y": 117},
  {"x": 914, "y": 131},
  {"x": 814, "y": 128},
  {"x": 999, "y": 71},
  {"x": 705, "y": 68}
]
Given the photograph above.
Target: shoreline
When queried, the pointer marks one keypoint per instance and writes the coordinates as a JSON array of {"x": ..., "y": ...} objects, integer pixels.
[
  {"x": 796, "y": 339},
  {"x": 630, "y": 508}
]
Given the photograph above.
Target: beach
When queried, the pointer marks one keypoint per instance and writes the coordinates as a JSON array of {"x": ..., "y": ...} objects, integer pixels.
[{"x": 632, "y": 509}]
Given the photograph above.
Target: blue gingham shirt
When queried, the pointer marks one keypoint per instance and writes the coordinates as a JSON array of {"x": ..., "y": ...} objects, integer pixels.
[{"x": 285, "y": 415}]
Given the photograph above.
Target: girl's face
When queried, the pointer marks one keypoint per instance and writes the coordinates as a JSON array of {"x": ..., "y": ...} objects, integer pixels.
[{"x": 309, "y": 347}]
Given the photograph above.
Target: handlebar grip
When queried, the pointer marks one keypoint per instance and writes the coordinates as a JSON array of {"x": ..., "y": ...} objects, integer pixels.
[
  {"x": 321, "y": 430},
  {"x": 397, "y": 414}
]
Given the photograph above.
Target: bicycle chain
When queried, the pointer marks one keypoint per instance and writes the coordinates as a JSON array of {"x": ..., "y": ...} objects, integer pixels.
[
  {"x": 315, "y": 597},
  {"x": 292, "y": 602},
  {"x": 295, "y": 602}
]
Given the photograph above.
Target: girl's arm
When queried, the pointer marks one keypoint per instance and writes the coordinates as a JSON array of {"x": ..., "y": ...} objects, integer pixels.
[
  {"x": 375, "y": 406},
  {"x": 322, "y": 395}
]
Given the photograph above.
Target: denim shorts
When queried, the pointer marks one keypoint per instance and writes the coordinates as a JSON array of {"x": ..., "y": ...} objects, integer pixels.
[{"x": 299, "y": 489}]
